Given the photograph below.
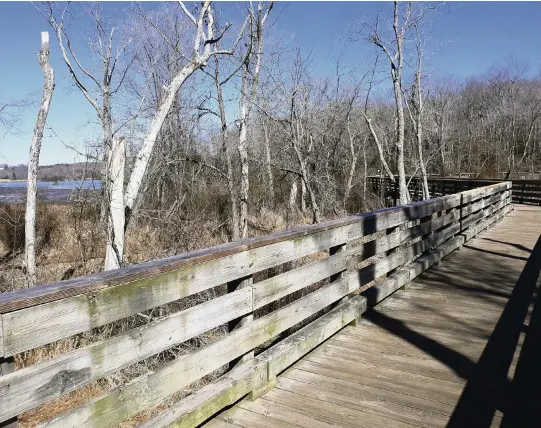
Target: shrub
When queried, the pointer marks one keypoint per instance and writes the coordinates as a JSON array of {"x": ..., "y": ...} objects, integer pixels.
[{"x": 12, "y": 219}]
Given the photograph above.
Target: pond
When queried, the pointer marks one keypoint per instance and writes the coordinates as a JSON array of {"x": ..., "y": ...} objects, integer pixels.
[{"x": 58, "y": 191}]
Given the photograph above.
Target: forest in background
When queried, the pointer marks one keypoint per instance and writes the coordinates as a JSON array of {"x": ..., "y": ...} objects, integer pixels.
[{"x": 214, "y": 131}]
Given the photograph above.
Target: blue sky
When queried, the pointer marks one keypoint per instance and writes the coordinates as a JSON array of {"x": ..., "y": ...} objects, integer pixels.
[{"x": 474, "y": 36}]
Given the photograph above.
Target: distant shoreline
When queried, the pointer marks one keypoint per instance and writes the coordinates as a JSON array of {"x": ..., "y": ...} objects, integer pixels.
[{"x": 7, "y": 180}]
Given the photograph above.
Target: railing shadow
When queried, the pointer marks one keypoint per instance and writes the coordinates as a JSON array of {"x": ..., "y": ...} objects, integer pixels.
[
  {"x": 501, "y": 346},
  {"x": 488, "y": 388},
  {"x": 517, "y": 246},
  {"x": 496, "y": 253}
]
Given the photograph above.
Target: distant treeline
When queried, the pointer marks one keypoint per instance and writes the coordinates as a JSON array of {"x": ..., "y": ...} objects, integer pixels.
[{"x": 57, "y": 172}]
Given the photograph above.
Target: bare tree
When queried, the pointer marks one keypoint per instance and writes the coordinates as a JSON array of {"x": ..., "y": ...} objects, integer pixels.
[
  {"x": 234, "y": 217},
  {"x": 252, "y": 58},
  {"x": 416, "y": 110},
  {"x": 395, "y": 54},
  {"x": 299, "y": 136},
  {"x": 202, "y": 51},
  {"x": 35, "y": 148},
  {"x": 533, "y": 109},
  {"x": 106, "y": 86},
  {"x": 248, "y": 93},
  {"x": 11, "y": 114},
  {"x": 371, "y": 126}
]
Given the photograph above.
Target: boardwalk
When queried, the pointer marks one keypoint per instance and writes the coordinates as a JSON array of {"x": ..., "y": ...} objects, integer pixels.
[{"x": 460, "y": 347}]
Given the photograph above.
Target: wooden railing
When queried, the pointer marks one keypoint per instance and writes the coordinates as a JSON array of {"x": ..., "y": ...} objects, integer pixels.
[
  {"x": 273, "y": 318},
  {"x": 524, "y": 191}
]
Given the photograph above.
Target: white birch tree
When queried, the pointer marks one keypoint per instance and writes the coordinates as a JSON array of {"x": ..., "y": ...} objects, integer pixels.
[{"x": 35, "y": 148}]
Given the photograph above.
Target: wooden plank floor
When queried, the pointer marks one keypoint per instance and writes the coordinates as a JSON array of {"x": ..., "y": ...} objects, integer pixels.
[{"x": 460, "y": 347}]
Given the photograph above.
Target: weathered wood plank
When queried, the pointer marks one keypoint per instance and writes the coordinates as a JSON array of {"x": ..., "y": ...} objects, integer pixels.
[
  {"x": 366, "y": 399},
  {"x": 7, "y": 366},
  {"x": 250, "y": 419},
  {"x": 278, "y": 411},
  {"x": 39, "y": 325},
  {"x": 277, "y": 358},
  {"x": 212, "y": 398},
  {"x": 327, "y": 411},
  {"x": 359, "y": 224},
  {"x": 276, "y": 287},
  {"x": 43, "y": 382},
  {"x": 148, "y": 390}
]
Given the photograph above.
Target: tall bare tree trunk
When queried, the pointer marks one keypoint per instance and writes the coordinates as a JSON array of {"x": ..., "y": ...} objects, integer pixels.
[
  {"x": 35, "y": 148},
  {"x": 442, "y": 148},
  {"x": 365, "y": 172},
  {"x": 292, "y": 201},
  {"x": 352, "y": 167},
  {"x": 379, "y": 147},
  {"x": 114, "y": 255},
  {"x": 417, "y": 114},
  {"x": 397, "y": 63},
  {"x": 234, "y": 218},
  {"x": 403, "y": 188},
  {"x": 268, "y": 166},
  {"x": 306, "y": 186},
  {"x": 247, "y": 98},
  {"x": 426, "y": 191},
  {"x": 243, "y": 153},
  {"x": 303, "y": 196}
]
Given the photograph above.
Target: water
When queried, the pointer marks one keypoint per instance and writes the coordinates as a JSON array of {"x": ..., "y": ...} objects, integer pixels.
[{"x": 61, "y": 191}]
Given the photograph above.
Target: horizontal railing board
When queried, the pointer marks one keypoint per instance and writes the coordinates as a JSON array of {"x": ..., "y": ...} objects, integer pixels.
[
  {"x": 385, "y": 265},
  {"x": 210, "y": 399},
  {"x": 388, "y": 217},
  {"x": 56, "y": 320},
  {"x": 42, "y": 382},
  {"x": 48, "y": 322},
  {"x": 528, "y": 200},
  {"x": 126, "y": 401},
  {"x": 276, "y": 287},
  {"x": 20, "y": 299}
]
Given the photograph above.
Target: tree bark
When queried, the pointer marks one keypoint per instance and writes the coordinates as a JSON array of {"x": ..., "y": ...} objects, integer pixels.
[
  {"x": 396, "y": 73},
  {"x": 35, "y": 148},
  {"x": 268, "y": 166},
  {"x": 379, "y": 147},
  {"x": 234, "y": 217},
  {"x": 243, "y": 154},
  {"x": 114, "y": 255},
  {"x": 248, "y": 94},
  {"x": 143, "y": 156}
]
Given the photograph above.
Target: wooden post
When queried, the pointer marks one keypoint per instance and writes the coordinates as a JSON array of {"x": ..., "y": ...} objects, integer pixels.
[
  {"x": 7, "y": 366},
  {"x": 393, "y": 250},
  {"x": 333, "y": 278},
  {"x": 242, "y": 321}
]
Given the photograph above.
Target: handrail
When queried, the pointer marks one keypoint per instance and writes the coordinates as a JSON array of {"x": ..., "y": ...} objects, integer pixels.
[
  {"x": 336, "y": 263},
  {"x": 525, "y": 191}
]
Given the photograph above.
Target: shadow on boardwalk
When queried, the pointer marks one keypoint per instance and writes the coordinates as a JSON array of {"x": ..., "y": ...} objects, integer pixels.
[{"x": 488, "y": 389}]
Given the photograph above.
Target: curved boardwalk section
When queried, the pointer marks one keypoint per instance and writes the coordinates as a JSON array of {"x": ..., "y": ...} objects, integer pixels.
[{"x": 461, "y": 346}]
